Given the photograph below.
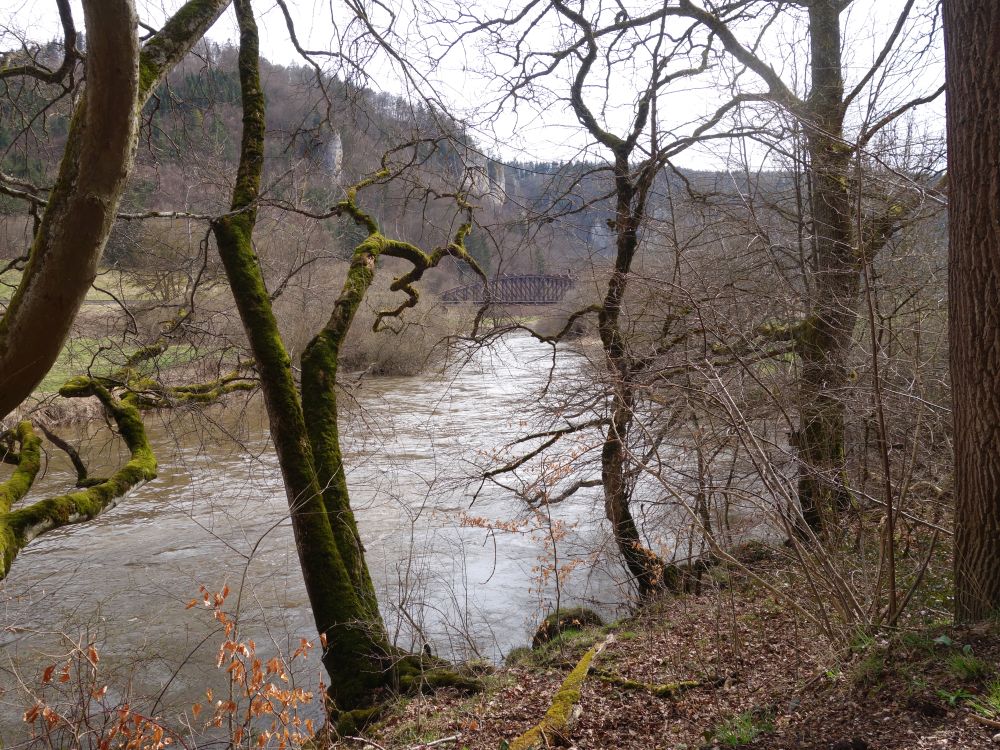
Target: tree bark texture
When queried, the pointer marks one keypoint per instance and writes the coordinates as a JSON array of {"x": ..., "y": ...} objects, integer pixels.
[
  {"x": 648, "y": 571},
  {"x": 972, "y": 60},
  {"x": 81, "y": 207}
]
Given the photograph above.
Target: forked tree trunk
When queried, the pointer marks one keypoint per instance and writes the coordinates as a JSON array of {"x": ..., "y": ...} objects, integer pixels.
[
  {"x": 356, "y": 647},
  {"x": 972, "y": 60},
  {"x": 357, "y": 654}
]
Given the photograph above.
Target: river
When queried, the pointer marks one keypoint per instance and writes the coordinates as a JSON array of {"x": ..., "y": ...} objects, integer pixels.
[{"x": 217, "y": 515}]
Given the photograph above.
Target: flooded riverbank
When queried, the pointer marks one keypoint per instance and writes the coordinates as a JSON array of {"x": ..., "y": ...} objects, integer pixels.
[{"x": 216, "y": 516}]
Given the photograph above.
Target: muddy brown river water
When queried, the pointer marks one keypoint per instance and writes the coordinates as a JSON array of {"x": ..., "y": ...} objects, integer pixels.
[{"x": 216, "y": 516}]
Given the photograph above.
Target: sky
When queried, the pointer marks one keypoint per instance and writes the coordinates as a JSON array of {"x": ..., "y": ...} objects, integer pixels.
[{"x": 546, "y": 131}]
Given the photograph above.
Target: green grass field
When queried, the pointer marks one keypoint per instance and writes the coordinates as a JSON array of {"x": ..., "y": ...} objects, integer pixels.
[
  {"x": 120, "y": 284},
  {"x": 103, "y": 356},
  {"x": 99, "y": 356}
]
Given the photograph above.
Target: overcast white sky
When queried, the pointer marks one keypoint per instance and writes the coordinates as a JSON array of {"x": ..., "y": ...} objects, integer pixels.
[{"x": 552, "y": 132}]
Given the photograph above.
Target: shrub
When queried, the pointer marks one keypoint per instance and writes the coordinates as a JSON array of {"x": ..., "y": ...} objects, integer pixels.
[{"x": 405, "y": 346}]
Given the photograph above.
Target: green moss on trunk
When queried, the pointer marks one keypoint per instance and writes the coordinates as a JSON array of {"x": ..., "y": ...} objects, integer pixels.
[
  {"x": 356, "y": 653},
  {"x": 827, "y": 335},
  {"x": 353, "y": 640},
  {"x": 19, "y": 527},
  {"x": 554, "y": 727},
  {"x": 28, "y": 463},
  {"x": 319, "y": 397},
  {"x": 172, "y": 42}
]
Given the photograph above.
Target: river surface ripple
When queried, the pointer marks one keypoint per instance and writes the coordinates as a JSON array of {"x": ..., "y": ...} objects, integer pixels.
[{"x": 217, "y": 514}]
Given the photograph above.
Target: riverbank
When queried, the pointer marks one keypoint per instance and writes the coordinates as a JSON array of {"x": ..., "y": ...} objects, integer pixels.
[
  {"x": 733, "y": 666},
  {"x": 217, "y": 515}
]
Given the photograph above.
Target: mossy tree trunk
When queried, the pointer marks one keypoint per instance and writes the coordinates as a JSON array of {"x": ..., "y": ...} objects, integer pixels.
[
  {"x": 319, "y": 395},
  {"x": 355, "y": 640},
  {"x": 357, "y": 653},
  {"x": 826, "y": 337},
  {"x": 842, "y": 241}
]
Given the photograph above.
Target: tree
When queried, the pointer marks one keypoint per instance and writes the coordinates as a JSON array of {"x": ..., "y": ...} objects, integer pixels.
[
  {"x": 357, "y": 653},
  {"x": 62, "y": 263},
  {"x": 843, "y": 226},
  {"x": 843, "y": 243},
  {"x": 597, "y": 44},
  {"x": 359, "y": 656},
  {"x": 81, "y": 206},
  {"x": 972, "y": 55}
]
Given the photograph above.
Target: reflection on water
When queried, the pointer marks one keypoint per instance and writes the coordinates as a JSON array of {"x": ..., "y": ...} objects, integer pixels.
[{"x": 217, "y": 514}]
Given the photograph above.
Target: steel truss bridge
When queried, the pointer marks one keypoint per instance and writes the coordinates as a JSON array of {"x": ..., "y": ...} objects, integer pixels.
[{"x": 526, "y": 289}]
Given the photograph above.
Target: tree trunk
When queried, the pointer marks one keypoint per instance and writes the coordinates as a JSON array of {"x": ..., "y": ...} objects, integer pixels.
[
  {"x": 319, "y": 396},
  {"x": 356, "y": 649},
  {"x": 92, "y": 174},
  {"x": 972, "y": 60},
  {"x": 358, "y": 656},
  {"x": 648, "y": 571},
  {"x": 825, "y": 339},
  {"x": 81, "y": 207}
]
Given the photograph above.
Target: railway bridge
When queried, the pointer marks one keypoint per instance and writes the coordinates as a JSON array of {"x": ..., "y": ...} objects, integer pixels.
[{"x": 524, "y": 289}]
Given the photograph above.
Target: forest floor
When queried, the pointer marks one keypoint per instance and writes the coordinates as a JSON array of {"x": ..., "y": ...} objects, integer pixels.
[{"x": 737, "y": 666}]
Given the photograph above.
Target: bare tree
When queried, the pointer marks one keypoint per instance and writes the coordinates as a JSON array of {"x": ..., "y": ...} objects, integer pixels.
[
  {"x": 600, "y": 45},
  {"x": 304, "y": 424},
  {"x": 840, "y": 247}
]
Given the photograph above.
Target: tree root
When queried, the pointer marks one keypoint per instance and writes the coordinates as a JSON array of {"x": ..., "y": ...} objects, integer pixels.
[{"x": 412, "y": 674}]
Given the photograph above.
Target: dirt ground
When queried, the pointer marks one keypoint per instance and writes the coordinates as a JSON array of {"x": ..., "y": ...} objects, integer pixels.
[{"x": 747, "y": 671}]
